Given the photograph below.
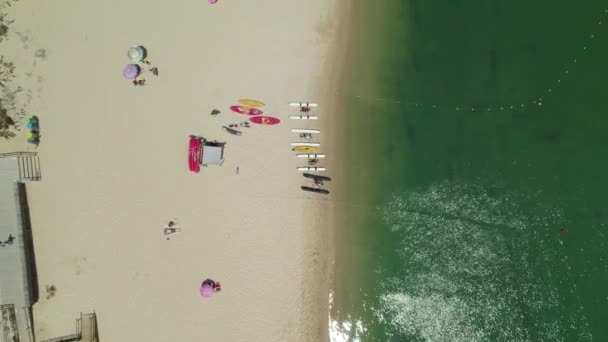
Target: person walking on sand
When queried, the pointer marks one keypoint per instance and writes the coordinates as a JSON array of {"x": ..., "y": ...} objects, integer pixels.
[{"x": 237, "y": 170}]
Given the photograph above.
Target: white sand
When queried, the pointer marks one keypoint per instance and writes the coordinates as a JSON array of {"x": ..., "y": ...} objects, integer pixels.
[{"x": 114, "y": 167}]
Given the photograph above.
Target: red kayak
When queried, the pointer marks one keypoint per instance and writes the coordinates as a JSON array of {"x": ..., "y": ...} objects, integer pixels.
[
  {"x": 194, "y": 154},
  {"x": 246, "y": 110}
]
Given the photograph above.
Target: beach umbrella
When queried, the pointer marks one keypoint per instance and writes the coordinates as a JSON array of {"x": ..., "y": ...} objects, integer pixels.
[
  {"x": 212, "y": 1},
  {"x": 206, "y": 290},
  {"x": 131, "y": 71},
  {"x": 136, "y": 53}
]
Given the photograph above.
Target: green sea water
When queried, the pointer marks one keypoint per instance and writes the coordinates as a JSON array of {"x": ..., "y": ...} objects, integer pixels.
[{"x": 476, "y": 190}]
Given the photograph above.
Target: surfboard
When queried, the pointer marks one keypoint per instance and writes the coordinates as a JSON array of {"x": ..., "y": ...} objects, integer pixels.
[
  {"x": 251, "y": 103},
  {"x": 303, "y": 104},
  {"x": 310, "y": 144},
  {"x": 303, "y": 117},
  {"x": 304, "y": 130},
  {"x": 310, "y": 155},
  {"x": 317, "y": 190},
  {"x": 304, "y": 149},
  {"x": 311, "y": 168}
]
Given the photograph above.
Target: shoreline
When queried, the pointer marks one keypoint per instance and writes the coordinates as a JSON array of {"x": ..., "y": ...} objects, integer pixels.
[
  {"x": 96, "y": 245},
  {"x": 332, "y": 121}
]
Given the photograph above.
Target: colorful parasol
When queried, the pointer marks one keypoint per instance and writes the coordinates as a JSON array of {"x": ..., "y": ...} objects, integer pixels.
[
  {"x": 265, "y": 120},
  {"x": 246, "y": 110},
  {"x": 251, "y": 103},
  {"x": 131, "y": 71},
  {"x": 136, "y": 53},
  {"x": 206, "y": 290}
]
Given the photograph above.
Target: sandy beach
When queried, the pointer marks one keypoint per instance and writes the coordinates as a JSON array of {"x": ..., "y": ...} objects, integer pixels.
[{"x": 114, "y": 166}]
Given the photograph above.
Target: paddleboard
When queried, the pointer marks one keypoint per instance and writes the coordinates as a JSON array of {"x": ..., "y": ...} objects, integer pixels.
[
  {"x": 310, "y": 144},
  {"x": 232, "y": 131},
  {"x": 303, "y": 117},
  {"x": 303, "y": 130},
  {"x": 317, "y": 190},
  {"x": 251, "y": 103},
  {"x": 310, "y": 155},
  {"x": 310, "y": 175},
  {"x": 304, "y": 149},
  {"x": 311, "y": 168},
  {"x": 303, "y": 104}
]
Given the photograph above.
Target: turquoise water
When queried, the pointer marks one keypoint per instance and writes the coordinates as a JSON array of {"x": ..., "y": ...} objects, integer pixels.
[{"x": 479, "y": 212}]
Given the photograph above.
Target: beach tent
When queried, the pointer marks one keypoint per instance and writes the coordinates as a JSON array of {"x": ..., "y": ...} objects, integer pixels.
[{"x": 213, "y": 153}]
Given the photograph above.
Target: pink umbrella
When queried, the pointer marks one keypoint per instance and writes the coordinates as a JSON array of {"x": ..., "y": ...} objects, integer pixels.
[
  {"x": 131, "y": 71},
  {"x": 212, "y": 1},
  {"x": 206, "y": 290}
]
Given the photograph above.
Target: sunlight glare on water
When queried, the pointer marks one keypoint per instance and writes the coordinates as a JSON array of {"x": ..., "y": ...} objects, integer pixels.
[{"x": 476, "y": 266}]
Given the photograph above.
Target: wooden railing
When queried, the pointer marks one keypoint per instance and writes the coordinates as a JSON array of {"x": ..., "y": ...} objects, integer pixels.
[
  {"x": 29, "y": 165},
  {"x": 86, "y": 330}
]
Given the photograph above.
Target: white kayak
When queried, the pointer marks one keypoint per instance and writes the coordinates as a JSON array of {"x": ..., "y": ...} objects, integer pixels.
[
  {"x": 303, "y": 117},
  {"x": 303, "y": 104},
  {"x": 311, "y": 144},
  {"x": 310, "y": 155},
  {"x": 304, "y": 130},
  {"x": 311, "y": 168}
]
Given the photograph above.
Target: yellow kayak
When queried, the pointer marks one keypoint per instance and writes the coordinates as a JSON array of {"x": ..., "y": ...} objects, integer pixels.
[
  {"x": 304, "y": 149},
  {"x": 251, "y": 103}
]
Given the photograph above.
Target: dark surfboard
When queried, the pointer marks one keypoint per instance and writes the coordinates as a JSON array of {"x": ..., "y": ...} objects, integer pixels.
[
  {"x": 317, "y": 190},
  {"x": 317, "y": 177}
]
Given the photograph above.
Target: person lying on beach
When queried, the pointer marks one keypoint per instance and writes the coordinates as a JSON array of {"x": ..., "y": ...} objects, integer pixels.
[
  {"x": 169, "y": 231},
  {"x": 154, "y": 71},
  {"x": 141, "y": 82}
]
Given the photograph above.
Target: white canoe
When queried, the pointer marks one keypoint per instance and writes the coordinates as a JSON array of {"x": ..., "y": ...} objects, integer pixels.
[
  {"x": 304, "y": 130},
  {"x": 310, "y": 155},
  {"x": 311, "y": 168},
  {"x": 303, "y": 117},
  {"x": 303, "y": 104},
  {"x": 311, "y": 144}
]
